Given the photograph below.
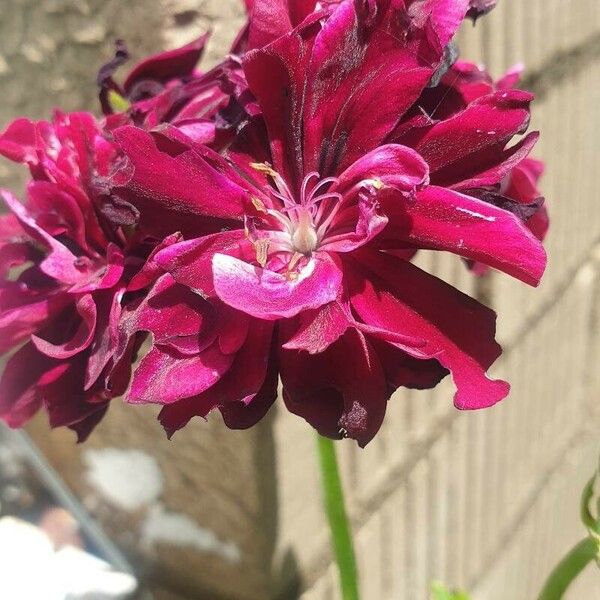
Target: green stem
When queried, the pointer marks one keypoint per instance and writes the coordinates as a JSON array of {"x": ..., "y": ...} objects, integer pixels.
[
  {"x": 568, "y": 569},
  {"x": 333, "y": 498}
]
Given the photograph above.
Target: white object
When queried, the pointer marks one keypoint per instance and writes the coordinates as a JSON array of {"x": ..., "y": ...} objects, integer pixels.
[{"x": 32, "y": 569}]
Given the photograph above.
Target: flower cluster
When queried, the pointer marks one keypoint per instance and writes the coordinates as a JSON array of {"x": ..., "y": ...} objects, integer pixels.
[{"x": 217, "y": 232}]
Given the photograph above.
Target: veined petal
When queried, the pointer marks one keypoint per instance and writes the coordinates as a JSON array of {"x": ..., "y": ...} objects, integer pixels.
[
  {"x": 457, "y": 144},
  {"x": 459, "y": 332},
  {"x": 164, "y": 376},
  {"x": 496, "y": 164},
  {"x": 268, "y": 295},
  {"x": 441, "y": 219},
  {"x": 187, "y": 183},
  {"x": 330, "y": 94}
]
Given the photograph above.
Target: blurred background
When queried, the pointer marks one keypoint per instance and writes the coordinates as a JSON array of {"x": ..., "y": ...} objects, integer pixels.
[{"x": 486, "y": 501}]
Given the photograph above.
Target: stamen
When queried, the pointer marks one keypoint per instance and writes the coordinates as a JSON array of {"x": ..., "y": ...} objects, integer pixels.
[
  {"x": 264, "y": 168},
  {"x": 292, "y": 265},
  {"x": 277, "y": 179},
  {"x": 313, "y": 195},
  {"x": 303, "y": 199},
  {"x": 258, "y": 204},
  {"x": 323, "y": 225},
  {"x": 262, "y": 251}
]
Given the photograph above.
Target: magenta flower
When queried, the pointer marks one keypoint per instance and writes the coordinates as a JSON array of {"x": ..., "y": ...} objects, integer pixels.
[
  {"x": 306, "y": 223},
  {"x": 65, "y": 259},
  {"x": 168, "y": 88}
]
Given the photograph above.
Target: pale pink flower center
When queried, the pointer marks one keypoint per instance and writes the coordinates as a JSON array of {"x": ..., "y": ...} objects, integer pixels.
[{"x": 304, "y": 218}]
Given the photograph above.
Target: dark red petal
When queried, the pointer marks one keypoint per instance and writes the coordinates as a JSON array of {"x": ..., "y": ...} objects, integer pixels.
[
  {"x": 172, "y": 64},
  {"x": 246, "y": 413},
  {"x": 403, "y": 370},
  {"x": 165, "y": 376},
  {"x": 346, "y": 392},
  {"x": 441, "y": 219},
  {"x": 395, "y": 295},
  {"x": 19, "y": 397},
  {"x": 187, "y": 183}
]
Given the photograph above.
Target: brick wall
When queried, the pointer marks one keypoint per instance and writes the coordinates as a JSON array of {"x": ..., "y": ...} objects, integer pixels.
[{"x": 487, "y": 500}]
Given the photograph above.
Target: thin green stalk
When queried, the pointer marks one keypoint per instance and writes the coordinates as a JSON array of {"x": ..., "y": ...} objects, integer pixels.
[
  {"x": 568, "y": 569},
  {"x": 333, "y": 499}
]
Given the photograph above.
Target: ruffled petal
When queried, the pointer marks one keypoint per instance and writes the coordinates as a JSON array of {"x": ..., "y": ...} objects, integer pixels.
[
  {"x": 60, "y": 262},
  {"x": 174, "y": 315},
  {"x": 346, "y": 392},
  {"x": 441, "y": 219},
  {"x": 164, "y": 376},
  {"x": 187, "y": 183},
  {"x": 269, "y": 295},
  {"x": 248, "y": 378},
  {"x": 190, "y": 262},
  {"x": 459, "y": 332}
]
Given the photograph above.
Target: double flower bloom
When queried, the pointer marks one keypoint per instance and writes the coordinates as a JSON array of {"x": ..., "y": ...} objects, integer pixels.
[{"x": 257, "y": 222}]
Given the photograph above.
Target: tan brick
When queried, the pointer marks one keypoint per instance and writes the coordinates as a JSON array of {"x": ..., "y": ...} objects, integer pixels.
[
  {"x": 546, "y": 533},
  {"x": 528, "y": 31},
  {"x": 570, "y": 153}
]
